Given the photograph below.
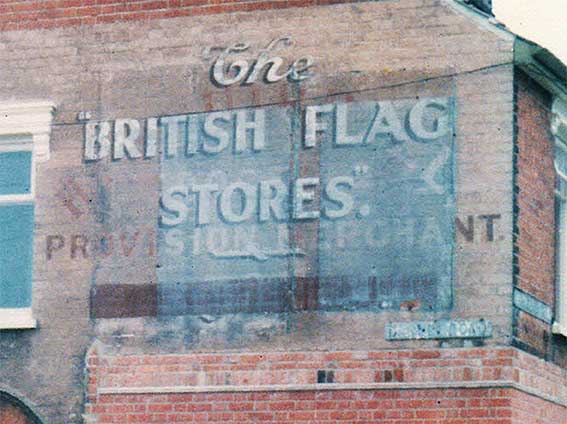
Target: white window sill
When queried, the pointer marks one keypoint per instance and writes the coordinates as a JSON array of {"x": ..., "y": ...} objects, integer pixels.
[
  {"x": 17, "y": 319},
  {"x": 559, "y": 328}
]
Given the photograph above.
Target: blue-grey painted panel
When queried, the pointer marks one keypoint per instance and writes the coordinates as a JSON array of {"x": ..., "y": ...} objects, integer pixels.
[
  {"x": 350, "y": 202},
  {"x": 222, "y": 249},
  {"x": 532, "y": 306},
  {"x": 15, "y": 172},
  {"x": 443, "y": 329},
  {"x": 16, "y": 255},
  {"x": 561, "y": 159},
  {"x": 396, "y": 245}
]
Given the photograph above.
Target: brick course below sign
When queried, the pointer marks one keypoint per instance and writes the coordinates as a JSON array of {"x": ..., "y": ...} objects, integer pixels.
[{"x": 446, "y": 385}]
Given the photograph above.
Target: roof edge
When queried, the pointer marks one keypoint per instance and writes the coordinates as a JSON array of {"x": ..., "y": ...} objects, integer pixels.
[
  {"x": 538, "y": 62},
  {"x": 484, "y": 20},
  {"x": 541, "y": 65}
]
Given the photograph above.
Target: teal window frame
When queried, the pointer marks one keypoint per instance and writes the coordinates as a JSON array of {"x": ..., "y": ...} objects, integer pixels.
[
  {"x": 17, "y": 209},
  {"x": 24, "y": 127}
]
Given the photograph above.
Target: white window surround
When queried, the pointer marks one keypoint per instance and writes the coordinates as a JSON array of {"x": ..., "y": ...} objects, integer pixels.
[
  {"x": 17, "y": 319},
  {"x": 559, "y": 131},
  {"x": 24, "y": 126},
  {"x": 28, "y": 119}
]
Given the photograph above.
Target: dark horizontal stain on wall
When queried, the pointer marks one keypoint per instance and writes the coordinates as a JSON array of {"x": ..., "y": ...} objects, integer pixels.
[
  {"x": 248, "y": 295},
  {"x": 123, "y": 300}
]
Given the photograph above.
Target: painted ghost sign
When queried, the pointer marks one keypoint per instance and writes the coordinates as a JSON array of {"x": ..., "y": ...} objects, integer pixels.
[
  {"x": 392, "y": 244},
  {"x": 356, "y": 198},
  {"x": 226, "y": 71}
]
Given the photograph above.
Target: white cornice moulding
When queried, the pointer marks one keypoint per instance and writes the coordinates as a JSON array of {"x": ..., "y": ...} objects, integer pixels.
[
  {"x": 31, "y": 118},
  {"x": 17, "y": 319}
]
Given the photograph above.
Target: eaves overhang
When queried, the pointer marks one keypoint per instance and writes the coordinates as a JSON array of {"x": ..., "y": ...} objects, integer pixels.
[
  {"x": 538, "y": 62},
  {"x": 541, "y": 65}
]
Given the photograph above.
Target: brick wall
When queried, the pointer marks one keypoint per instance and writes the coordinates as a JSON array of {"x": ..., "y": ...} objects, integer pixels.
[
  {"x": 535, "y": 211},
  {"x": 33, "y": 14},
  {"x": 455, "y": 406},
  {"x": 157, "y": 67},
  {"x": 455, "y": 386},
  {"x": 530, "y": 409}
]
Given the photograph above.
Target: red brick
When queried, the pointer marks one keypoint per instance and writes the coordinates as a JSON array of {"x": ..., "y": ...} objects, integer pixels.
[
  {"x": 442, "y": 406},
  {"x": 49, "y": 14},
  {"x": 535, "y": 179}
]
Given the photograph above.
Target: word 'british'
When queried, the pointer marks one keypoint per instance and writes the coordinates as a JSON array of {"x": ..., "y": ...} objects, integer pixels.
[{"x": 243, "y": 130}]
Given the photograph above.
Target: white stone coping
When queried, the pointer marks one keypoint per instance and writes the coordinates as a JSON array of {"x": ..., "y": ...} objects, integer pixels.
[
  {"x": 489, "y": 384},
  {"x": 559, "y": 328},
  {"x": 17, "y": 319}
]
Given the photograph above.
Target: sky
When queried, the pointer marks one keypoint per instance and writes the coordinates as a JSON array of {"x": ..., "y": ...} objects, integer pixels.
[{"x": 542, "y": 21}]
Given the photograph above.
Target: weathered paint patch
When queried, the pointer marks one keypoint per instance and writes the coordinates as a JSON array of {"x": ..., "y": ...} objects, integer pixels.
[
  {"x": 224, "y": 297},
  {"x": 443, "y": 329},
  {"x": 123, "y": 300},
  {"x": 345, "y": 205},
  {"x": 533, "y": 306}
]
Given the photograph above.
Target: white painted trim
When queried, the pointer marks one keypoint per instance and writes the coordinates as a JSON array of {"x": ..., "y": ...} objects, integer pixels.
[
  {"x": 559, "y": 131},
  {"x": 559, "y": 328},
  {"x": 7, "y": 199},
  {"x": 33, "y": 119},
  {"x": 489, "y": 384},
  {"x": 17, "y": 145},
  {"x": 24, "y": 127},
  {"x": 559, "y": 120},
  {"x": 17, "y": 319}
]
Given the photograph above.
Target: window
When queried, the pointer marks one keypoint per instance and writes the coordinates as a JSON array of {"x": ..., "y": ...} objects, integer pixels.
[
  {"x": 24, "y": 142},
  {"x": 559, "y": 130}
]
